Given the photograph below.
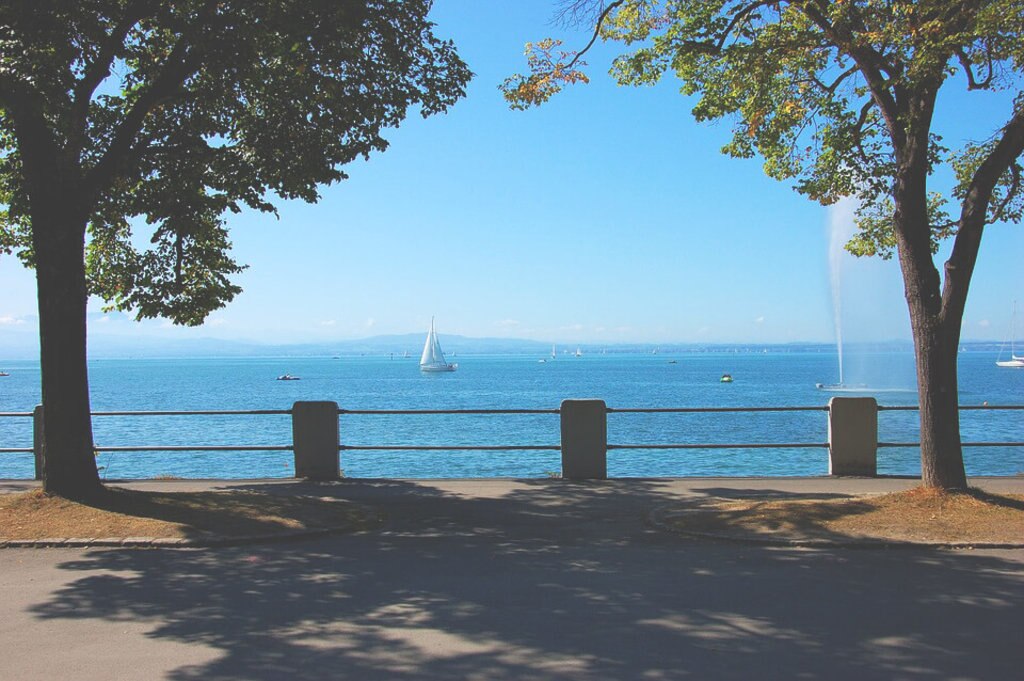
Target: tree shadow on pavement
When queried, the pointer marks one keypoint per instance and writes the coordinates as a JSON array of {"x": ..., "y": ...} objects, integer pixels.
[
  {"x": 917, "y": 516},
  {"x": 552, "y": 579}
]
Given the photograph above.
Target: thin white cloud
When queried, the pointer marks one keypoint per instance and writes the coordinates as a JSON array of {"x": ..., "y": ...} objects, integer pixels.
[
  {"x": 7, "y": 320},
  {"x": 507, "y": 323},
  {"x": 370, "y": 323},
  {"x": 328, "y": 322},
  {"x": 105, "y": 319},
  {"x": 984, "y": 323},
  {"x": 759, "y": 320}
]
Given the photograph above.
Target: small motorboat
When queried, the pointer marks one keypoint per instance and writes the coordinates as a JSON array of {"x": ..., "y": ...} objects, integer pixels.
[
  {"x": 849, "y": 388},
  {"x": 726, "y": 378},
  {"x": 287, "y": 377},
  {"x": 4, "y": 373}
]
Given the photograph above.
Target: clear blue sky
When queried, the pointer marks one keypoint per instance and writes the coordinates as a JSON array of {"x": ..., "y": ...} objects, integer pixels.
[{"x": 606, "y": 216}]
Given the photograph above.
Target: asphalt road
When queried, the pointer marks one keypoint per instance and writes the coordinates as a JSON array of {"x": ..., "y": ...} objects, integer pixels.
[{"x": 495, "y": 580}]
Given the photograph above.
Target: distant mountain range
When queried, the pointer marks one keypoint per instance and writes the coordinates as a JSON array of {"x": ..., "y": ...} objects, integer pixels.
[{"x": 14, "y": 346}]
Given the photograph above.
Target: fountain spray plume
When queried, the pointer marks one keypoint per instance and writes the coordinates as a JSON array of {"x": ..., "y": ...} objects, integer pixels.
[{"x": 841, "y": 229}]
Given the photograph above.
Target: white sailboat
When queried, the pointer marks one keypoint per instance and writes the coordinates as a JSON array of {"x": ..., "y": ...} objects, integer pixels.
[
  {"x": 1015, "y": 361},
  {"x": 433, "y": 359},
  {"x": 553, "y": 352}
]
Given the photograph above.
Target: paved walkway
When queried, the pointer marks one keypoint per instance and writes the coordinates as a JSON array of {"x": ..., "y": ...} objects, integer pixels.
[{"x": 500, "y": 579}]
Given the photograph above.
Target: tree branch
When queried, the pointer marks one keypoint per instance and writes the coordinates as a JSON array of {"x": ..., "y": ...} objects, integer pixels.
[
  {"x": 739, "y": 16},
  {"x": 870, "y": 63},
  {"x": 97, "y": 71},
  {"x": 972, "y": 83},
  {"x": 831, "y": 89},
  {"x": 1005, "y": 153},
  {"x": 858, "y": 129},
  {"x": 1011, "y": 193},
  {"x": 597, "y": 31},
  {"x": 181, "y": 63},
  {"x": 961, "y": 261}
]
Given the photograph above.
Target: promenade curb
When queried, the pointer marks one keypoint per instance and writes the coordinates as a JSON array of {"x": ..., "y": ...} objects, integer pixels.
[{"x": 175, "y": 542}]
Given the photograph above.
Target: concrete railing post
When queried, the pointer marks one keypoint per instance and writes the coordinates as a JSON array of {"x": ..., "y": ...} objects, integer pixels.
[
  {"x": 584, "y": 439},
  {"x": 316, "y": 440},
  {"x": 853, "y": 436},
  {"x": 37, "y": 440}
]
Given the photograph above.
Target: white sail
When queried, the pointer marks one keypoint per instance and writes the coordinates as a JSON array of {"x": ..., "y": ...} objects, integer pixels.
[
  {"x": 433, "y": 357},
  {"x": 428, "y": 348},
  {"x": 1015, "y": 361},
  {"x": 438, "y": 353}
]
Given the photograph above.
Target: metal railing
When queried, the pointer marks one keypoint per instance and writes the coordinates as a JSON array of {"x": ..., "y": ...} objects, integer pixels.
[
  {"x": 717, "y": 445},
  {"x": 607, "y": 446},
  {"x": 975, "y": 407},
  {"x": 442, "y": 448}
]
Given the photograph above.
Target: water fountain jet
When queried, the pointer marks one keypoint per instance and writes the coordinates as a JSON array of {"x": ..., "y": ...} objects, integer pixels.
[{"x": 841, "y": 230}]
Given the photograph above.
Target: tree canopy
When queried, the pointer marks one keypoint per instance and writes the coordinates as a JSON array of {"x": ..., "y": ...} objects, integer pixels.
[
  {"x": 170, "y": 114},
  {"x": 827, "y": 93},
  {"x": 118, "y": 116}
]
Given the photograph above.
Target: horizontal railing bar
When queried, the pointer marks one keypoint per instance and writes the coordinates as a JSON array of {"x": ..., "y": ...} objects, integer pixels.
[
  {"x": 992, "y": 444},
  {"x": 283, "y": 448},
  {"x": 996, "y": 407},
  {"x": 414, "y": 412},
  {"x": 443, "y": 448},
  {"x": 963, "y": 407},
  {"x": 962, "y": 444},
  {"x": 207, "y": 412},
  {"x": 687, "y": 410},
  {"x": 610, "y": 410},
  {"x": 288, "y": 448},
  {"x": 198, "y": 448},
  {"x": 748, "y": 445}
]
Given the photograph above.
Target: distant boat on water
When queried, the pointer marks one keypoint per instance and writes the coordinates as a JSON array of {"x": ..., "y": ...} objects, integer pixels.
[
  {"x": 4, "y": 373},
  {"x": 849, "y": 388},
  {"x": 432, "y": 360},
  {"x": 1015, "y": 360},
  {"x": 726, "y": 378},
  {"x": 577, "y": 353},
  {"x": 287, "y": 377}
]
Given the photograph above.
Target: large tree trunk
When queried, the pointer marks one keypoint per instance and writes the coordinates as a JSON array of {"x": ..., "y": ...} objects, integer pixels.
[
  {"x": 936, "y": 337},
  {"x": 935, "y": 349},
  {"x": 69, "y": 468}
]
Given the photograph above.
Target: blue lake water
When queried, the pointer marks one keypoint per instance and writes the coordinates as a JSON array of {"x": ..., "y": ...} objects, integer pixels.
[{"x": 773, "y": 378}]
